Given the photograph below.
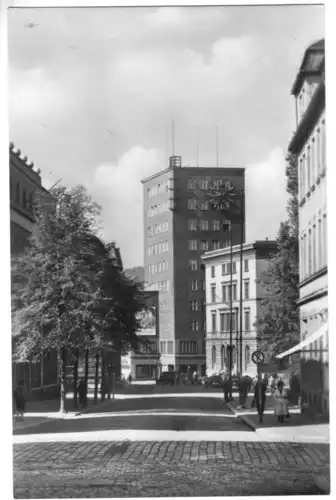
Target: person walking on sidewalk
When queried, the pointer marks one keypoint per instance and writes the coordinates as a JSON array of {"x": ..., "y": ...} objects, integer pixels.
[
  {"x": 281, "y": 402},
  {"x": 19, "y": 398},
  {"x": 82, "y": 393},
  {"x": 260, "y": 397}
]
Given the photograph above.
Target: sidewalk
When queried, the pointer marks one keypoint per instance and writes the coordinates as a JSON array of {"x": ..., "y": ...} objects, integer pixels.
[{"x": 298, "y": 428}]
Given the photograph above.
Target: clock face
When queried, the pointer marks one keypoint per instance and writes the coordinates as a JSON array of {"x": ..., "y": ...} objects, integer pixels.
[{"x": 222, "y": 197}]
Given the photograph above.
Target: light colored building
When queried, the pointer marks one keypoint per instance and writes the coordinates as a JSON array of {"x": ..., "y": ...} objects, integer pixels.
[
  {"x": 309, "y": 144},
  {"x": 179, "y": 226},
  {"x": 218, "y": 287}
]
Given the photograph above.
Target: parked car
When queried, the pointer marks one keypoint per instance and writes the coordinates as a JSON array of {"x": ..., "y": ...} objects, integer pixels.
[{"x": 167, "y": 378}]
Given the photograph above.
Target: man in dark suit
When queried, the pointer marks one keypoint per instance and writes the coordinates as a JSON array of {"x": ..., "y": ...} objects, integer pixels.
[{"x": 260, "y": 396}]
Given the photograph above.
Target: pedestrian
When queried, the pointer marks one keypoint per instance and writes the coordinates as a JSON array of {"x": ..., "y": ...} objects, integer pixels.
[
  {"x": 273, "y": 383},
  {"x": 130, "y": 378},
  {"x": 240, "y": 384},
  {"x": 19, "y": 397},
  {"x": 245, "y": 389},
  {"x": 281, "y": 402},
  {"x": 260, "y": 397},
  {"x": 226, "y": 388},
  {"x": 82, "y": 393}
]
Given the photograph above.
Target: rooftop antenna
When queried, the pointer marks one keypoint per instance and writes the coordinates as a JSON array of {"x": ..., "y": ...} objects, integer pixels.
[
  {"x": 197, "y": 148},
  {"x": 217, "y": 154},
  {"x": 173, "y": 137}
]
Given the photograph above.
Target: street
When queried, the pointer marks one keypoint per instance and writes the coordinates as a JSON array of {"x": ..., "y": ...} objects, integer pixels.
[{"x": 50, "y": 461}]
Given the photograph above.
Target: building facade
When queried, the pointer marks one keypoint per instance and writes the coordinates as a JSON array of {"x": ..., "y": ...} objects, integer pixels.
[
  {"x": 143, "y": 364},
  {"x": 179, "y": 227},
  {"x": 218, "y": 289},
  {"x": 309, "y": 144}
]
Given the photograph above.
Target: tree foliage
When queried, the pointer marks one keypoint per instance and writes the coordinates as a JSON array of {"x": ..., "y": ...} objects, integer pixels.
[
  {"x": 67, "y": 290},
  {"x": 278, "y": 322}
]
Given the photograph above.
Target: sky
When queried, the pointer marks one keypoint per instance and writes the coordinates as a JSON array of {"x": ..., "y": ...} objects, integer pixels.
[{"x": 93, "y": 92}]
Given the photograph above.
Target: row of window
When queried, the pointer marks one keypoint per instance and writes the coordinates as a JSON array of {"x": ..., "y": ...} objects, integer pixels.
[
  {"x": 159, "y": 286},
  {"x": 158, "y": 189},
  {"x": 150, "y": 347},
  {"x": 225, "y": 356},
  {"x": 158, "y": 248},
  {"x": 205, "y": 183},
  {"x": 313, "y": 160},
  {"x": 313, "y": 248},
  {"x": 159, "y": 267},
  {"x": 166, "y": 347},
  {"x": 226, "y": 268},
  {"x": 203, "y": 245},
  {"x": 223, "y": 321},
  {"x": 158, "y": 209},
  {"x": 157, "y": 229},
  {"x": 196, "y": 285},
  {"x": 188, "y": 347},
  {"x": 203, "y": 225},
  {"x": 22, "y": 198},
  {"x": 305, "y": 97},
  {"x": 226, "y": 292}
]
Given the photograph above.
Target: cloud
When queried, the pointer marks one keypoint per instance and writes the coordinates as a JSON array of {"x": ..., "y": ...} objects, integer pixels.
[
  {"x": 119, "y": 186},
  {"x": 266, "y": 196}
]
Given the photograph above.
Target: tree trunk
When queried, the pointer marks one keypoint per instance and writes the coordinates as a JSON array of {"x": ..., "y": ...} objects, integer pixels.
[
  {"x": 75, "y": 378},
  {"x": 86, "y": 373},
  {"x": 62, "y": 376},
  {"x": 96, "y": 378},
  {"x": 103, "y": 382}
]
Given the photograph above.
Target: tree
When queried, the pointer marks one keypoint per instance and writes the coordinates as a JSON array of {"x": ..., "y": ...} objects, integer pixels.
[
  {"x": 67, "y": 292},
  {"x": 278, "y": 323}
]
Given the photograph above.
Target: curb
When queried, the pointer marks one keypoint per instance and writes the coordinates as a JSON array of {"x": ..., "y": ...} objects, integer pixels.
[{"x": 243, "y": 418}]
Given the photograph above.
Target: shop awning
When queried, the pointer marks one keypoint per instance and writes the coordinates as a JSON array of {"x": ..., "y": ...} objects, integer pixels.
[{"x": 316, "y": 335}]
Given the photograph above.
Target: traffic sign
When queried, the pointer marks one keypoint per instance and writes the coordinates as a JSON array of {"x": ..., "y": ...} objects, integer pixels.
[{"x": 258, "y": 357}]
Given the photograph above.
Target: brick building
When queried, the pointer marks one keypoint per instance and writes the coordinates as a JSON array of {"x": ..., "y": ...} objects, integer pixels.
[{"x": 179, "y": 227}]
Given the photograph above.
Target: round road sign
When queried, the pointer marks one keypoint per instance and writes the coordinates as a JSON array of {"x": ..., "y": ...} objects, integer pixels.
[{"x": 258, "y": 357}]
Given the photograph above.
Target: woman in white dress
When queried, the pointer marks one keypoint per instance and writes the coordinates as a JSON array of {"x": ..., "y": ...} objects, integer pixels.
[{"x": 281, "y": 402}]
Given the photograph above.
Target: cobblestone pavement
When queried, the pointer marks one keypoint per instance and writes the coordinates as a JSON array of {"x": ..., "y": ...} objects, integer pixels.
[{"x": 133, "y": 469}]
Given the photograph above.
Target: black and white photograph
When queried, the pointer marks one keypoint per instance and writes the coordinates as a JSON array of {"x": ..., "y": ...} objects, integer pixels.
[{"x": 168, "y": 250}]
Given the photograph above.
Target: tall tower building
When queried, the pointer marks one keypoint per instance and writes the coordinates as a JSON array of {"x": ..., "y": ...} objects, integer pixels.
[{"x": 179, "y": 227}]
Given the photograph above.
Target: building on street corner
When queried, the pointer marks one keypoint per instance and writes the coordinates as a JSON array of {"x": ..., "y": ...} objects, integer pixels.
[
  {"x": 309, "y": 145},
  {"x": 179, "y": 227},
  {"x": 218, "y": 290}
]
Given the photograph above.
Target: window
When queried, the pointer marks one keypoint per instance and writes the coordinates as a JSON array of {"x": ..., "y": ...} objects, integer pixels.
[
  {"x": 192, "y": 225},
  {"x": 215, "y": 244},
  {"x": 228, "y": 268},
  {"x": 192, "y": 204},
  {"x": 188, "y": 347},
  {"x": 203, "y": 184},
  {"x": 246, "y": 265},
  {"x": 309, "y": 252},
  {"x": 318, "y": 151},
  {"x": 222, "y": 357},
  {"x": 223, "y": 269},
  {"x": 170, "y": 347},
  {"x": 163, "y": 347},
  {"x": 194, "y": 305},
  {"x": 204, "y": 245},
  {"x": 247, "y": 320},
  {"x": 204, "y": 206},
  {"x": 308, "y": 168},
  {"x": 234, "y": 267},
  {"x": 247, "y": 357},
  {"x": 191, "y": 183},
  {"x": 234, "y": 322},
  {"x": 234, "y": 291},
  {"x": 314, "y": 267},
  {"x": 222, "y": 322},
  {"x": 213, "y": 356},
  {"x": 204, "y": 225},
  {"x": 313, "y": 162},
  {"x": 193, "y": 285},
  {"x": 213, "y": 294},
  {"x": 213, "y": 321},
  {"x": 192, "y": 244},
  {"x": 320, "y": 243},
  {"x": 224, "y": 293},
  {"x": 213, "y": 271},
  {"x": 247, "y": 289},
  {"x": 145, "y": 371},
  {"x": 193, "y": 265},
  {"x": 195, "y": 325},
  {"x": 202, "y": 285},
  {"x": 215, "y": 225},
  {"x": 323, "y": 145}
]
